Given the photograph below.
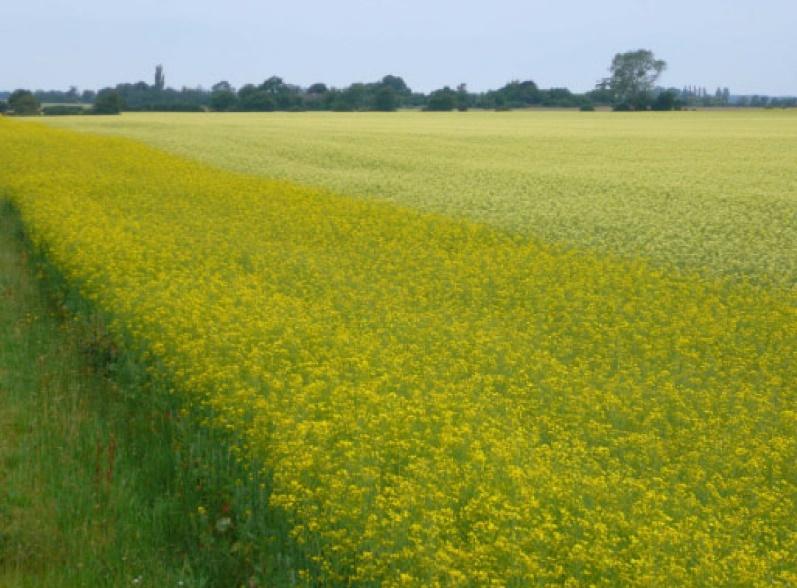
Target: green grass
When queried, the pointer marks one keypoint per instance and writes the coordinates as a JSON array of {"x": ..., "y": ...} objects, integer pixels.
[{"x": 104, "y": 481}]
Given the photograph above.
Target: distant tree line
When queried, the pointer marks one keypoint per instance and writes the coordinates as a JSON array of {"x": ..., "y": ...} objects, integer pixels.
[{"x": 631, "y": 86}]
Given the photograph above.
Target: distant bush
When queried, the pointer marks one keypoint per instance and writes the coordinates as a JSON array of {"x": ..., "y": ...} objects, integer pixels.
[
  {"x": 23, "y": 103},
  {"x": 667, "y": 100},
  {"x": 108, "y": 101},
  {"x": 587, "y": 108},
  {"x": 622, "y": 107},
  {"x": 3, "y": 106},
  {"x": 62, "y": 110},
  {"x": 223, "y": 100},
  {"x": 442, "y": 100}
]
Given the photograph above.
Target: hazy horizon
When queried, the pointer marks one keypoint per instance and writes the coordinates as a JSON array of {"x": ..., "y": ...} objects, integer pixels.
[{"x": 55, "y": 44}]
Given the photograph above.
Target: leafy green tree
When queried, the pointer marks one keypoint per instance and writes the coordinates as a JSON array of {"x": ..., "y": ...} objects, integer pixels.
[
  {"x": 3, "y": 106},
  {"x": 317, "y": 97},
  {"x": 160, "y": 79},
  {"x": 385, "y": 99},
  {"x": 223, "y": 100},
  {"x": 222, "y": 97},
  {"x": 397, "y": 83},
  {"x": 23, "y": 102},
  {"x": 666, "y": 100},
  {"x": 108, "y": 101},
  {"x": 222, "y": 86},
  {"x": 561, "y": 97},
  {"x": 352, "y": 98},
  {"x": 253, "y": 99},
  {"x": 284, "y": 96},
  {"x": 400, "y": 87},
  {"x": 318, "y": 88},
  {"x": 463, "y": 98},
  {"x": 442, "y": 100},
  {"x": 633, "y": 77}
]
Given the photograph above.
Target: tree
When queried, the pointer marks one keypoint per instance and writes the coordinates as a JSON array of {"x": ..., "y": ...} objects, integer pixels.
[
  {"x": 222, "y": 97},
  {"x": 3, "y": 106},
  {"x": 223, "y": 100},
  {"x": 602, "y": 94},
  {"x": 252, "y": 98},
  {"x": 463, "y": 98},
  {"x": 318, "y": 89},
  {"x": 666, "y": 100},
  {"x": 442, "y": 100},
  {"x": 160, "y": 79},
  {"x": 108, "y": 101},
  {"x": 222, "y": 86},
  {"x": 352, "y": 98},
  {"x": 397, "y": 84},
  {"x": 284, "y": 96},
  {"x": 561, "y": 97},
  {"x": 633, "y": 76},
  {"x": 385, "y": 99},
  {"x": 23, "y": 102}
]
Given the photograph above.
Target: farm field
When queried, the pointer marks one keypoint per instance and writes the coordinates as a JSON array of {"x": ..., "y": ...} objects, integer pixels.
[
  {"x": 500, "y": 349},
  {"x": 714, "y": 191}
]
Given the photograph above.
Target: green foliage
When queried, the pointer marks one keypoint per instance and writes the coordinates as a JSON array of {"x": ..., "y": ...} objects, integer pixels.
[
  {"x": 223, "y": 100},
  {"x": 3, "y": 106},
  {"x": 108, "y": 101},
  {"x": 442, "y": 100},
  {"x": 397, "y": 84},
  {"x": 385, "y": 99},
  {"x": 633, "y": 76},
  {"x": 62, "y": 110},
  {"x": 254, "y": 99},
  {"x": 223, "y": 97},
  {"x": 560, "y": 97},
  {"x": 515, "y": 94},
  {"x": 666, "y": 100},
  {"x": 464, "y": 100},
  {"x": 160, "y": 78},
  {"x": 23, "y": 103}
]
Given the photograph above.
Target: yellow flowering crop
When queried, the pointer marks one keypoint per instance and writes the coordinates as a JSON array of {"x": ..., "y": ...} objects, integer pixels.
[
  {"x": 712, "y": 191},
  {"x": 440, "y": 402}
]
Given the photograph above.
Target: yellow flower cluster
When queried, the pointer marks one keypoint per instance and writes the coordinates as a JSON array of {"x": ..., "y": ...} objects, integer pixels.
[{"x": 441, "y": 403}]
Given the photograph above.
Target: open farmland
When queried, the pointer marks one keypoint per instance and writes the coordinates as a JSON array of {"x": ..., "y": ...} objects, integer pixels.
[
  {"x": 490, "y": 349},
  {"x": 714, "y": 191}
]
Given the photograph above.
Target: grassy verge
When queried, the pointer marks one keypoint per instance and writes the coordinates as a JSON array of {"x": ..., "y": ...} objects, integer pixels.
[{"x": 104, "y": 479}]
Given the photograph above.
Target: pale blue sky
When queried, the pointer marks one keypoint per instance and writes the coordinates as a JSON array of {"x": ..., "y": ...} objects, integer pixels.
[{"x": 749, "y": 46}]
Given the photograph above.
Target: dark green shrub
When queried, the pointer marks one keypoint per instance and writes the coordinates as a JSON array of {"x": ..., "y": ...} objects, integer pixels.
[
  {"x": 62, "y": 110},
  {"x": 108, "y": 101},
  {"x": 23, "y": 103}
]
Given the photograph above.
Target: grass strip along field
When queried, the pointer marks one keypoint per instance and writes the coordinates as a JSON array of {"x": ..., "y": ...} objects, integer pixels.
[
  {"x": 437, "y": 402},
  {"x": 70, "y": 510},
  {"x": 105, "y": 480}
]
